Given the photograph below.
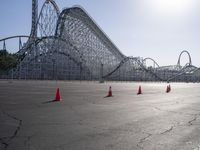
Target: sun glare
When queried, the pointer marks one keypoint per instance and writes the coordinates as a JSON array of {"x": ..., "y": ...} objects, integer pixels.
[{"x": 173, "y": 6}]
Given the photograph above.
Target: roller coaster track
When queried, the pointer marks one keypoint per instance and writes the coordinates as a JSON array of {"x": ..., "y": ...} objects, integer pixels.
[
  {"x": 126, "y": 59},
  {"x": 182, "y": 71},
  {"x": 78, "y": 63},
  {"x": 148, "y": 58},
  {"x": 76, "y": 36},
  {"x": 87, "y": 19},
  {"x": 68, "y": 55},
  {"x": 38, "y": 40},
  {"x": 16, "y": 36},
  {"x": 192, "y": 69}
]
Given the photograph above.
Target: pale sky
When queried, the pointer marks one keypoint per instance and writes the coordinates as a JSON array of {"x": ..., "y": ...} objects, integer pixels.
[{"x": 159, "y": 29}]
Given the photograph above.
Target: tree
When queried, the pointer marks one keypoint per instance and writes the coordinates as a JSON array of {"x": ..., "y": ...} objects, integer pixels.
[
  {"x": 7, "y": 61},
  {"x": 3, "y": 53}
]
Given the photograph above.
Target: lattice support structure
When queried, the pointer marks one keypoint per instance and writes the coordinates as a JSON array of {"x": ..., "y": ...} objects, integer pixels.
[
  {"x": 34, "y": 18},
  {"x": 71, "y": 46}
]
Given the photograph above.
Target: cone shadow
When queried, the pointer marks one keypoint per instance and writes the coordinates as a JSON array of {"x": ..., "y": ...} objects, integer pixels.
[
  {"x": 107, "y": 96},
  {"x": 51, "y": 101}
]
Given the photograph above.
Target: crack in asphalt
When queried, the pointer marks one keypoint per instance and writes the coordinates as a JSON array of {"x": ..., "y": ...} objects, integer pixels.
[
  {"x": 145, "y": 138},
  {"x": 142, "y": 140},
  {"x": 10, "y": 138},
  {"x": 194, "y": 119},
  {"x": 3, "y": 143},
  {"x": 168, "y": 130},
  {"x": 189, "y": 122}
]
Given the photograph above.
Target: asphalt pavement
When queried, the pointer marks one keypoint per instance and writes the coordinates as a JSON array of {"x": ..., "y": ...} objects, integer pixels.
[{"x": 87, "y": 120}]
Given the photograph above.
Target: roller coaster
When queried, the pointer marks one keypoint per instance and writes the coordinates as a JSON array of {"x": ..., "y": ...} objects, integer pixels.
[{"x": 69, "y": 45}]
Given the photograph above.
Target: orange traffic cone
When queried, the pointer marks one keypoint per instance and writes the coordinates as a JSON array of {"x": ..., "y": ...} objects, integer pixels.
[
  {"x": 109, "y": 92},
  {"x": 57, "y": 98},
  {"x": 168, "y": 89},
  {"x": 139, "y": 90}
]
